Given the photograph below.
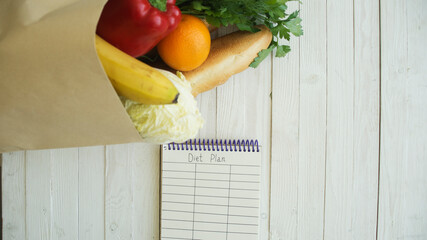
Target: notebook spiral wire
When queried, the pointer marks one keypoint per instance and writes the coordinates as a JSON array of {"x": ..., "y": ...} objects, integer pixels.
[{"x": 216, "y": 145}]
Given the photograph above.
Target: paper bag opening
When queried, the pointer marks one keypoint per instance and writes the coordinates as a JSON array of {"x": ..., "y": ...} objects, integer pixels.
[{"x": 53, "y": 90}]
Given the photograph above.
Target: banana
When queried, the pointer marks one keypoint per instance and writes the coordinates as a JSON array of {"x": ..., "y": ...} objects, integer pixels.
[{"x": 134, "y": 79}]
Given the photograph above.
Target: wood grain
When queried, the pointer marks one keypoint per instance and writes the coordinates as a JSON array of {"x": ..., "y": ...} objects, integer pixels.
[
  {"x": 38, "y": 194},
  {"x": 91, "y": 192},
  {"x": 118, "y": 192},
  {"x": 145, "y": 160},
  {"x": 285, "y": 142},
  {"x": 366, "y": 119},
  {"x": 403, "y": 192},
  {"x": 64, "y": 194},
  {"x": 340, "y": 121},
  {"x": 132, "y": 191},
  {"x": 207, "y": 107},
  {"x": 312, "y": 121},
  {"x": 13, "y": 196}
]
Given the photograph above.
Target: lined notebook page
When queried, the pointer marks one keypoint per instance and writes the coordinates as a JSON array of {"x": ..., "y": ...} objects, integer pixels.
[{"x": 210, "y": 195}]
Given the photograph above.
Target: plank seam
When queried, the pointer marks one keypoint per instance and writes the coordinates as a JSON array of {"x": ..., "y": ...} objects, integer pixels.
[
  {"x": 354, "y": 97},
  {"x": 78, "y": 192},
  {"x": 50, "y": 193},
  {"x": 105, "y": 189},
  {"x": 25, "y": 191},
  {"x": 379, "y": 120},
  {"x": 299, "y": 124},
  {"x": 271, "y": 141},
  {"x": 326, "y": 123}
]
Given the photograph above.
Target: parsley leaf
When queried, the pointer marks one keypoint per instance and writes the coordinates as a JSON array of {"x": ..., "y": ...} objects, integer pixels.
[
  {"x": 261, "y": 56},
  {"x": 159, "y": 4},
  {"x": 282, "y": 50},
  {"x": 293, "y": 23},
  {"x": 246, "y": 14}
]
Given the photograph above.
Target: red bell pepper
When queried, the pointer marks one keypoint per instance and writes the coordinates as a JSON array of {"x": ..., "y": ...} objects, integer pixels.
[{"x": 135, "y": 26}]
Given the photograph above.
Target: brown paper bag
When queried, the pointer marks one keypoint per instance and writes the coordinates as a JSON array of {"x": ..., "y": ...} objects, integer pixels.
[{"x": 53, "y": 90}]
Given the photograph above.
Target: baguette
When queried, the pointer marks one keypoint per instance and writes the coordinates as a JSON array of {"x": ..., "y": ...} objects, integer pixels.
[{"x": 229, "y": 55}]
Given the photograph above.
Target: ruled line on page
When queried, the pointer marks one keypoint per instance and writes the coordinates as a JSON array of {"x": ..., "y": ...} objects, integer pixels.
[
  {"x": 174, "y": 185},
  {"x": 209, "y": 204},
  {"x": 217, "y": 180},
  {"x": 197, "y": 195},
  {"x": 248, "y": 174},
  {"x": 201, "y": 230},
  {"x": 222, "y": 214},
  {"x": 231, "y": 223}
]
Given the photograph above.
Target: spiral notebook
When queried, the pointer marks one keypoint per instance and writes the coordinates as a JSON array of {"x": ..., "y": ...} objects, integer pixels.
[{"x": 210, "y": 190}]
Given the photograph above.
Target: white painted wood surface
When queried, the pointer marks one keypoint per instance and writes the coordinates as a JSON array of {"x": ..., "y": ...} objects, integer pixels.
[
  {"x": 344, "y": 134},
  {"x": 352, "y": 106},
  {"x": 64, "y": 203},
  {"x": 13, "y": 197},
  {"x": 91, "y": 192},
  {"x": 284, "y": 143},
  {"x": 366, "y": 116},
  {"x": 403, "y": 156}
]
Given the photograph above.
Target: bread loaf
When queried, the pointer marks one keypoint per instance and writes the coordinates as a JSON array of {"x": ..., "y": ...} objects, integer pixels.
[{"x": 229, "y": 55}]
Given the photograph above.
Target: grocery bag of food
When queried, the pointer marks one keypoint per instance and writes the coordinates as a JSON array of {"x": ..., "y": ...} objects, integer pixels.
[
  {"x": 69, "y": 73},
  {"x": 60, "y": 83}
]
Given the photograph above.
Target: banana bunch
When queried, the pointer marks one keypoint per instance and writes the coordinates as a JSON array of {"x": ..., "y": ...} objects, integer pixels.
[{"x": 134, "y": 79}]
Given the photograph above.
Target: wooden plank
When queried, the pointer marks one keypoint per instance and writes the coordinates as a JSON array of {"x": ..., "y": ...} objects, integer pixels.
[
  {"x": 340, "y": 175},
  {"x": 91, "y": 192},
  {"x": 13, "y": 196},
  {"x": 207, "y": 107},
  {"x": 284, "y": 143},
  {"x": 403, "y": 192},
  {"x": 38, "y": 194},
  {"x": 118, "y": 193},
  {"x": 366, "y": 120},
  {"x": 312, "y": 121},
  {"x": 145, "y": 160},
  {"x": 64, "y": 193}
]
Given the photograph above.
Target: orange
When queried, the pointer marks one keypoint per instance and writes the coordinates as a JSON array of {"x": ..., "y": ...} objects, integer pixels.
[{"x": 188, "y": 46}]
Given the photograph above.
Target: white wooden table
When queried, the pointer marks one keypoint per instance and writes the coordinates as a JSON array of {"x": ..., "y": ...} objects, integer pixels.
[{"x": 342, "y": 121}]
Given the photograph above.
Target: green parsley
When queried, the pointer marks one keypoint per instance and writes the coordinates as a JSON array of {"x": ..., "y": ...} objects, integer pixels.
[{"x": 246, "y": 14}]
